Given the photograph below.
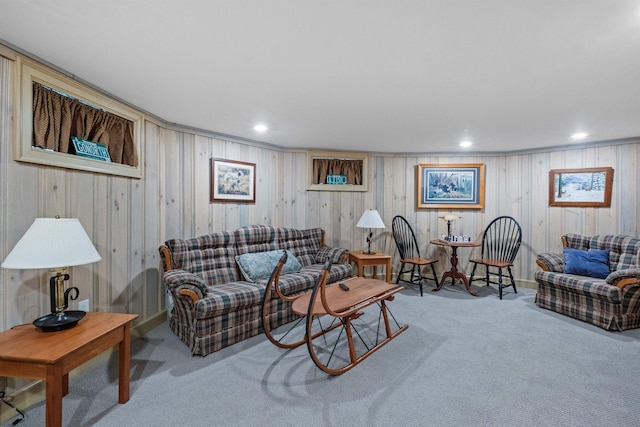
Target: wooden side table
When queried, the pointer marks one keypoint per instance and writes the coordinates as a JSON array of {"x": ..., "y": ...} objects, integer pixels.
[
  {"x": 362, "y": 259},
  {"x": 26, "y": 352}
]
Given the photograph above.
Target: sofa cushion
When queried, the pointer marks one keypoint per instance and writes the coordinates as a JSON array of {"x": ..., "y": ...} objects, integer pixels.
[
  {"x": 336, "y": 255},
  {"x": 591, "y": 287},
  {"x": 258, "y": 265},
  {"x": 210, "y": 256},
  {"x": 228, "y": 297},
  {"x": 578, "y": 241},
  {"x": 624, "y": 251},
  {"x": 305, "y": 244},
  {"x": 592, "y": 263},
  {"x": 629, "y": 254},
  {"x": 256, "y": 238}
]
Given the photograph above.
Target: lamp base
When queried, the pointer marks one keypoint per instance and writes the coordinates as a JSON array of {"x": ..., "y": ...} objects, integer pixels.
[{"x": 58, "y": 322}]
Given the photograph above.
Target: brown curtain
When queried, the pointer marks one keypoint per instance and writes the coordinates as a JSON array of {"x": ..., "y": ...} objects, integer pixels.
[
  {"x": 56, "y": 118},
  {"x": 351, "y": 168}
]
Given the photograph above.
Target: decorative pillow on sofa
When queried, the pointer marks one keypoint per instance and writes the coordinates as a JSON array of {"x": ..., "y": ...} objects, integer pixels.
[
  {"x": 259, "y": 265},
  {"x": 593, "y": 263}
]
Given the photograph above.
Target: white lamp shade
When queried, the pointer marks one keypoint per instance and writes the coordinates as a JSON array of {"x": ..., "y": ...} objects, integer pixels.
[
  {"x": 370, "y": 219},
  {"x": 52, "y": 243}
]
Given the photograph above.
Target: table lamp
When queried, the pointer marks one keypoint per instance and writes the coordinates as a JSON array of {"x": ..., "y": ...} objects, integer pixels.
[
  {"x": 54, "y": 243},
  {"x": 370, "y": 219},
  {"x": 449, "y": 218}
]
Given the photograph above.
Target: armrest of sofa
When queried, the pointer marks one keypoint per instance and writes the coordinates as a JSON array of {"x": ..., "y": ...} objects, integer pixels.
[
  {"x": 551, "y": 262},
  {"x": 165, "y": 256},
  {"x": 335, "y": 255},
  {"x": 626, "y": 277},
  {"x": 182, "y": 282}
]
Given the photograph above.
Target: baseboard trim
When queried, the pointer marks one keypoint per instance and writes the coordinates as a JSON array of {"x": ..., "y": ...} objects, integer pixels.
[{"x": 35, "y": 391}]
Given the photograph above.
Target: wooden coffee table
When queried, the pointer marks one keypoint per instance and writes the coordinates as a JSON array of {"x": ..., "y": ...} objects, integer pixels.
[{"x": 26, "y": 352}]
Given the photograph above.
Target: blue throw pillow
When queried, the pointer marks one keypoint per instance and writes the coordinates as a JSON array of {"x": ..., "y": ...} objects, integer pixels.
[
  {"x": 259, "y": 265},
  {"x": 594, "y": 263}
]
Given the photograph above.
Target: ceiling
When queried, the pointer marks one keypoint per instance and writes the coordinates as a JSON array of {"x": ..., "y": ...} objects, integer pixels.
[{"x": 401, "y": 76}]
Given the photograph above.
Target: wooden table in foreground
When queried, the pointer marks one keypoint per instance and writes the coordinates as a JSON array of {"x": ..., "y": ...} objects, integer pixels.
[
  {"x": 454, "y": 273},
  {"x": 363, "y": 259},
  {"x": 27, "y": 352}
]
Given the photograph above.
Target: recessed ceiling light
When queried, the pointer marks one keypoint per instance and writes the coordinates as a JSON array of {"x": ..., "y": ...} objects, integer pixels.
[
  {"x": 466, "y": 144},
  {"x": 579, "y": 135},
  {"x": 260, "y": 128}
]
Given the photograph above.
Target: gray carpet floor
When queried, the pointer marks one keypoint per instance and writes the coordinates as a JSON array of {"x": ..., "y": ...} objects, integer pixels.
[{"x": 464, "y": 361}]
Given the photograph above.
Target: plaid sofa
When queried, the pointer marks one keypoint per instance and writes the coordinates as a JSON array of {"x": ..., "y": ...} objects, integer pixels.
[
  {"x": 214, "y": 306},
  {"x": 612, "y": 303}
]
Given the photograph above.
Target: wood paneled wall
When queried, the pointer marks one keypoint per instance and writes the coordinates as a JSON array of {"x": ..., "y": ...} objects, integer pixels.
[{"x": 128, "y": 219}]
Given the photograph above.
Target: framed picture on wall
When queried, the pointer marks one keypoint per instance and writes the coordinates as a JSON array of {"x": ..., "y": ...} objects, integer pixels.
[
  {"x": 587, "y": 187},
  {"x": 456, "y": 186},
  {"x": 232, "y": 181}
]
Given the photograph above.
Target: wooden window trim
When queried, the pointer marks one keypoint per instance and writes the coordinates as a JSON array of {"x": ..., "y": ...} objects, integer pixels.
[
  {"x": 311, "y": 186},
  {"x": 28, "y": 72}
]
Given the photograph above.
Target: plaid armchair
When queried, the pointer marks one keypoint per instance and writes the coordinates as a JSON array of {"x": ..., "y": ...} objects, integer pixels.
[{"x": 610, "y": 301}]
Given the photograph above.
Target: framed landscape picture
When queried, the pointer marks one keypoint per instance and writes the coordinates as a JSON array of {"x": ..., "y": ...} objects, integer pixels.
[
  {"x": 587, "y": 187},
  {"x": 455, "y": 186},
  {"x": 232, "y": 181}
]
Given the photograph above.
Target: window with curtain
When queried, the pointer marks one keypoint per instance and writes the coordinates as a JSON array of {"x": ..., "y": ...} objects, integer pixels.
[
  {"x": 58, "y": 117},
  {"x": 352, "y": 169}
]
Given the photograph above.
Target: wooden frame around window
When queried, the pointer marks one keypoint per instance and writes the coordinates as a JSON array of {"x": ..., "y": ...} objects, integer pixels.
[
  {"x": 29, "y": 72},
  {"x": 586, "y": 187},
  {"x": 339, "y": 185}
]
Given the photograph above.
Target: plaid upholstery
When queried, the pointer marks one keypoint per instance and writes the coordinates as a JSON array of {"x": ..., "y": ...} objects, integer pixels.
[
  {"x": 577, "y": 241},
  {"x": 229, "y": 309},
  {"x": 597, "y": 301},
  {"x": 176, "y": 280},
  {"x": 256, "y": 238},
  {"x": 211, "y": 257},
  {"x": 228, "y": 297},
  {"x": 596, "y": 288},
  {"x": 624, "y": 251},
  {"x": 553, "y": 262},
  {"x": 304, "y": 244},
  {"x": 336, "y": 255}
]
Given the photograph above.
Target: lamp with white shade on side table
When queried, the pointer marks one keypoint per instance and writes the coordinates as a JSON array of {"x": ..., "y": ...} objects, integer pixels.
[
  {"x": 370, "y": 219},
  {"x": 55, "y": 244}
]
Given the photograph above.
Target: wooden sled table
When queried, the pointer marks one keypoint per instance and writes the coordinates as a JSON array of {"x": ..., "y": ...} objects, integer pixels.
[{"x": 338, "y": 306}]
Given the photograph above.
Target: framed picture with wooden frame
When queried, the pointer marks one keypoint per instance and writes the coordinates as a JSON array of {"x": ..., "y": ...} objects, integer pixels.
[
  {"x": 456, "y": 186},
  {"x": 586, "y": 187},
  {"x": 232, "y": 181}
]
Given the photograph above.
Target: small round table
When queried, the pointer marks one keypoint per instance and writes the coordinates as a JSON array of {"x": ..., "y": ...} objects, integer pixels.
[{"x": 454, "y": 273}]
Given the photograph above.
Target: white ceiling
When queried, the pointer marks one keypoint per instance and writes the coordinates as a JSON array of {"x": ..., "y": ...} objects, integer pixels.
[{"x": 389, "y": 76}]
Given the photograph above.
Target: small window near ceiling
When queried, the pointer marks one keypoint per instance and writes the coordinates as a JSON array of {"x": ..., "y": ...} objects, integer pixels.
[
  {"x": 65, "y": 124},
  {"x": 68, "y": 124},
  {"x": 337, "y": 171}
]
